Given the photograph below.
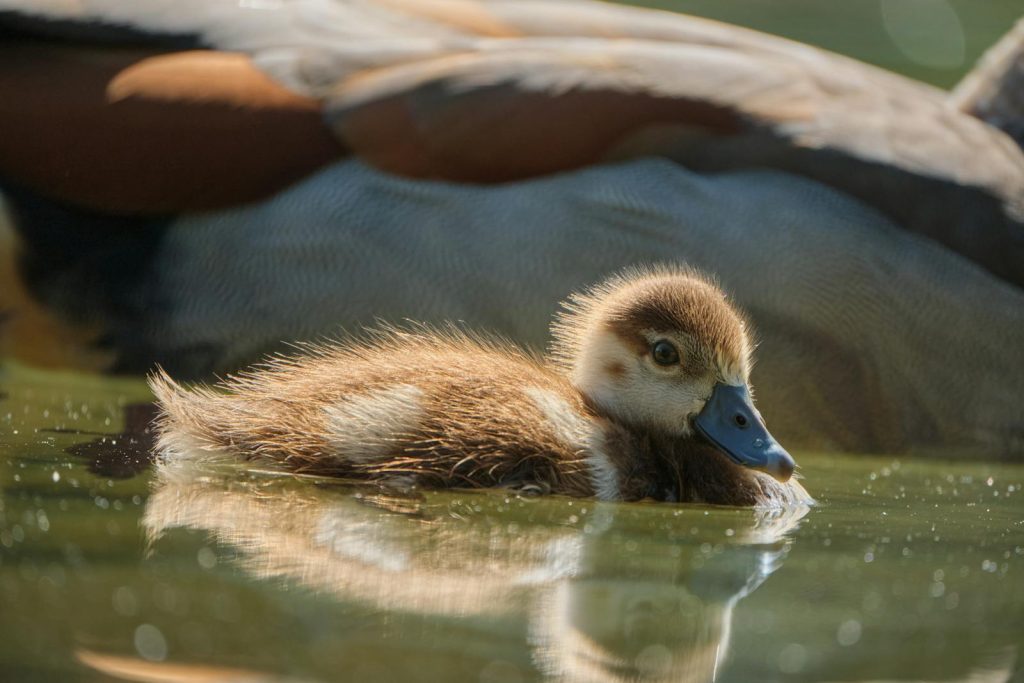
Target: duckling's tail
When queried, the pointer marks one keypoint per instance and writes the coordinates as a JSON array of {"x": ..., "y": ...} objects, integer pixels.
[{"x": 186, "y": 424}]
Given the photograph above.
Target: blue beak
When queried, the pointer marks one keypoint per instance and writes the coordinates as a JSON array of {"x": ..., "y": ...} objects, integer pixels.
[{"x": 731, "y": 422}]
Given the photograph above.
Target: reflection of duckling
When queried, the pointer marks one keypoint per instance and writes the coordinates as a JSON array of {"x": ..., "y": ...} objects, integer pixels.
[
  {"x": 640, "y": 365},
  {"x": 667, "y": 617}
]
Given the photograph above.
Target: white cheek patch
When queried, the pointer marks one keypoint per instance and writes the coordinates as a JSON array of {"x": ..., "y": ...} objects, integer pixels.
[
  {"x": 366, "y": 428},
  {"x": 582, "y": 435},
  {"x": 649, "y": 397},
  {"x": 590, "y": 374}
]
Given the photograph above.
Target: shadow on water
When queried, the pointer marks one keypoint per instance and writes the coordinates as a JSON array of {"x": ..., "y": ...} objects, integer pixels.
[{"x": 118, "y": 456}]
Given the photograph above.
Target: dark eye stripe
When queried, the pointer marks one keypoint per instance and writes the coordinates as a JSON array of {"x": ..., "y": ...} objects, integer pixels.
[{"x": 665, "y": 353}]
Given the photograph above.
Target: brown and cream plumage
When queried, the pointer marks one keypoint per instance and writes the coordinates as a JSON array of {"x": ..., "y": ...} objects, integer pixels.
[{"x": 613, "y": 412}]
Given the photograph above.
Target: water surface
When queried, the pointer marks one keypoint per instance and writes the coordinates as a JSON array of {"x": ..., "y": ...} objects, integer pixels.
[{"x": 906, "y": 570}]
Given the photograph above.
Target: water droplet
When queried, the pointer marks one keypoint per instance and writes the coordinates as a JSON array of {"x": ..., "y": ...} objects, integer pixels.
[
  {"x": 124, "y": 601},
  {"x": 792, "y": 658},
  {"x": 848, "y": 633},
  {"x": 150, "y": 643},
  {"x": 206, "y": 558}
]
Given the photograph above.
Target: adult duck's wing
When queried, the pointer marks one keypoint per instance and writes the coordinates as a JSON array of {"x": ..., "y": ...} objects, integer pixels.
[
  {"x": 510, "y": 108},
  {"x": 499, "y": 90},
  {"x": 614, "y": 68},
  {"x": 119, "y": 121},
  {"x": 133, "y": 130},
  {"x": 159, "y": 108}
]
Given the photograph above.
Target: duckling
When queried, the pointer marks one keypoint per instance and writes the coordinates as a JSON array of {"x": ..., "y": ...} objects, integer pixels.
[{"x": 643, "y": 395}]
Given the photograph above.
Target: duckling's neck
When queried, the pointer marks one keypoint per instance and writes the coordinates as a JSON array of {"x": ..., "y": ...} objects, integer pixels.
[{"x": 678, "y": 469}]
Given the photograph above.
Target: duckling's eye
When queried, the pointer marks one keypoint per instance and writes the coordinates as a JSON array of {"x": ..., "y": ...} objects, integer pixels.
[{"x": 665, "y": 353}]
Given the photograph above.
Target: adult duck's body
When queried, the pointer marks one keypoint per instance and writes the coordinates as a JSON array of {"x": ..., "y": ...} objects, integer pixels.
[{"x": 872, "y": 229}]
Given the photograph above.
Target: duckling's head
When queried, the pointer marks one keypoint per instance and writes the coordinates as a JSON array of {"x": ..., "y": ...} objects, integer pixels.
[{"x": 662, "y": 350}]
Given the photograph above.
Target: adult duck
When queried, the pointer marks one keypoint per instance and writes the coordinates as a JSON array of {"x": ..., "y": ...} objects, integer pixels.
[{"x": 836, "y": 201}]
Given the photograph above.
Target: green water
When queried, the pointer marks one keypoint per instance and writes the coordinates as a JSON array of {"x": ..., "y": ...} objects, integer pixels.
[{"x": 905, "y": 570}]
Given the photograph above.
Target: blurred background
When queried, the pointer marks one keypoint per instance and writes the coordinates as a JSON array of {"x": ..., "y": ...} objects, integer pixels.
[{"x": 935, "y": 41}]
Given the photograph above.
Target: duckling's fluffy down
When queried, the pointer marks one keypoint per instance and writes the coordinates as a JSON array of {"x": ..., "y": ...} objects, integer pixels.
[
  {"x": 437, "y": 408},
  {"x": 442, "y": 409}
]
